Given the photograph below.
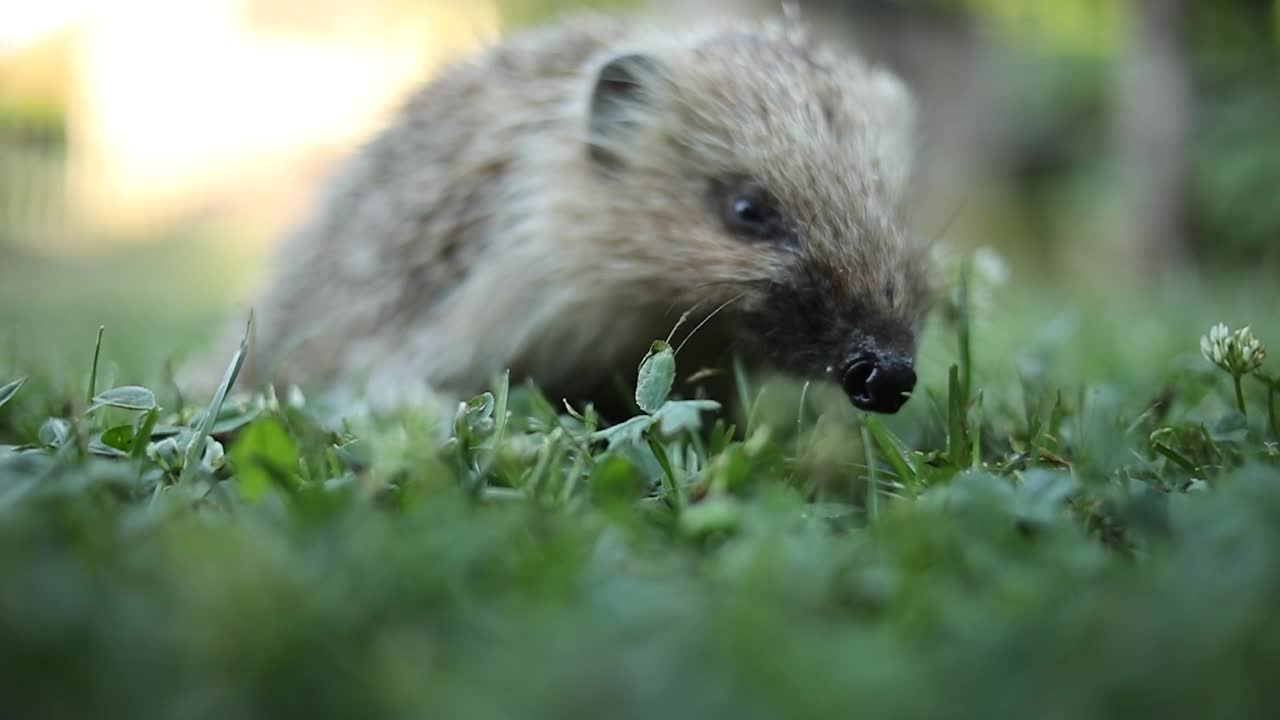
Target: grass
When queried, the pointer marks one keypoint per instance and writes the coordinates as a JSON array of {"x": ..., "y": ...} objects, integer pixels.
[{"x": 1071, "y": 519}]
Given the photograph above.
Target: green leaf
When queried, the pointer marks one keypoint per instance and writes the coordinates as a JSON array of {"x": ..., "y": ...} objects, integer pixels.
[
  {"x": 1231, "y": 427},
  {"x": 126, "y": 397},
  {"x": 263, "y": 453},
  {"x": 677, "y": 416},
  {"x": 97, "y": 447},
  {"x": 10, "y": 389},
  {"x": 163, "y": 430},
  {"x": 630, "y": 431},
  {"x": 657, "y": 374},
  {"x": 119, "y": 437}
]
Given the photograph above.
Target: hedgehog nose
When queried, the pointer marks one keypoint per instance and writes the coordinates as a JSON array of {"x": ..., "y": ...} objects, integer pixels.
[{"x": 878, "y": 382}]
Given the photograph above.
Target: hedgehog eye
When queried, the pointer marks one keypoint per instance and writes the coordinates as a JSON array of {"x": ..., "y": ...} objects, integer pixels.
[{"x": 749, "y": 211}]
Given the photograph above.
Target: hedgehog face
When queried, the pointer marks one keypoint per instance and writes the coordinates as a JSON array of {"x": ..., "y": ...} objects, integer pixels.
[
  {"x": 840, "y": 303},
  {"x": 793, "y": 162}
]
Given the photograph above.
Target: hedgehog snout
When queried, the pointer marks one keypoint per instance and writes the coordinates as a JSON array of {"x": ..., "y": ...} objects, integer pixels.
[{"x": 878, "y": 381}]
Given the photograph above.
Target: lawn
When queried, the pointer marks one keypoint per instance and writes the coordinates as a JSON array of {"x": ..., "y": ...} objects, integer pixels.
[{"x": 1072, "y": 519}]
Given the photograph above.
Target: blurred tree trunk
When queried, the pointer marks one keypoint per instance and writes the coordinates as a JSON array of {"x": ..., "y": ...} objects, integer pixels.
[{"x": 1153, "y": 124}]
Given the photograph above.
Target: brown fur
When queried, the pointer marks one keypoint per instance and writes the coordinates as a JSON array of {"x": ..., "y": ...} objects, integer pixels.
[{"x": 477, "y": 232}]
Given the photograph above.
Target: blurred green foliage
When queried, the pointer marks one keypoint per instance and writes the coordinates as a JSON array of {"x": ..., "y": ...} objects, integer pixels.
[
  {"x": 1086, "y": 527},
  {"x": 1088, "y": 531},
  {"x": 525, "y": 12},
  {"x": 1237, "y": 148},
  {"x": 1059, "y": 65},
  {"x": 36, "y": 122}
]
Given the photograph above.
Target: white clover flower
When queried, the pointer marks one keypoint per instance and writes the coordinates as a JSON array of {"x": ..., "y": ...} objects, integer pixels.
[
  {"x": 1214, "y": 345},
  {"x": 213, "y": 456},
  {"x": 1238, "y": 353},
  {"x": 170, "y": 453},
  {"x": 165, "y": 453}
]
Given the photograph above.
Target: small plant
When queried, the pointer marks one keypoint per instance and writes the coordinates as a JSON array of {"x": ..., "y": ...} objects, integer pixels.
[
  {"x": 1238, "y": 354},
  {"x": 662, "y": 417}
]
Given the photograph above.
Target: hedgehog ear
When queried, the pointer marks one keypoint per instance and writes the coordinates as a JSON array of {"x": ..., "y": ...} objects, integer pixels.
[{"x": 623, "y": 87}]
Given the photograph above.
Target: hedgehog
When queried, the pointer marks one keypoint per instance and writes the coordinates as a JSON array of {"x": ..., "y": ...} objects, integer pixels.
[{"x": 550, "y": 204}]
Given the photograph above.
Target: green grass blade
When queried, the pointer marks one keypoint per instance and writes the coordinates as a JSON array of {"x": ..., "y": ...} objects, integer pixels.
[
  {"x": 873, "y": 477},
  {"x": 141, "y": 438},
  {"x": 1177, "y": 457},
  {"x": 10, "y": 389},
  {"x": 194, "y": 450},
  {"x": 93, "y": 370},
  {"x": 955, "y": 418},
  {"x": 887, "y": 446},
  {"x": 964, "y": 331},
  {"x": 668, "y": 474},
  {"x": 976, "y": 443}
]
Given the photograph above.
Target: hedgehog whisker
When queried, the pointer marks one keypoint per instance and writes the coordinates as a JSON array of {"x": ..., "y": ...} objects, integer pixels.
[
  {"x": 707, "y": 319},
  {"x": 684, "y": 316},
  {"x": 745, "y": 284}
]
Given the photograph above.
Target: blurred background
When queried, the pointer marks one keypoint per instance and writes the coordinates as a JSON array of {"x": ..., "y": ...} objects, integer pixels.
[{"x": 152, "y": 151}]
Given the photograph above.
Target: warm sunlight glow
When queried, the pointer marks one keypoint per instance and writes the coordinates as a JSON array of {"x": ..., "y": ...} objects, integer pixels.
[{"x": 177, "y": 106}]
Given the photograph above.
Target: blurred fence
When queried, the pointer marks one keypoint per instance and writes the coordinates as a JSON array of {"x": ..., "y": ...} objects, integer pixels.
[{"x": 34, "y": 206}]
